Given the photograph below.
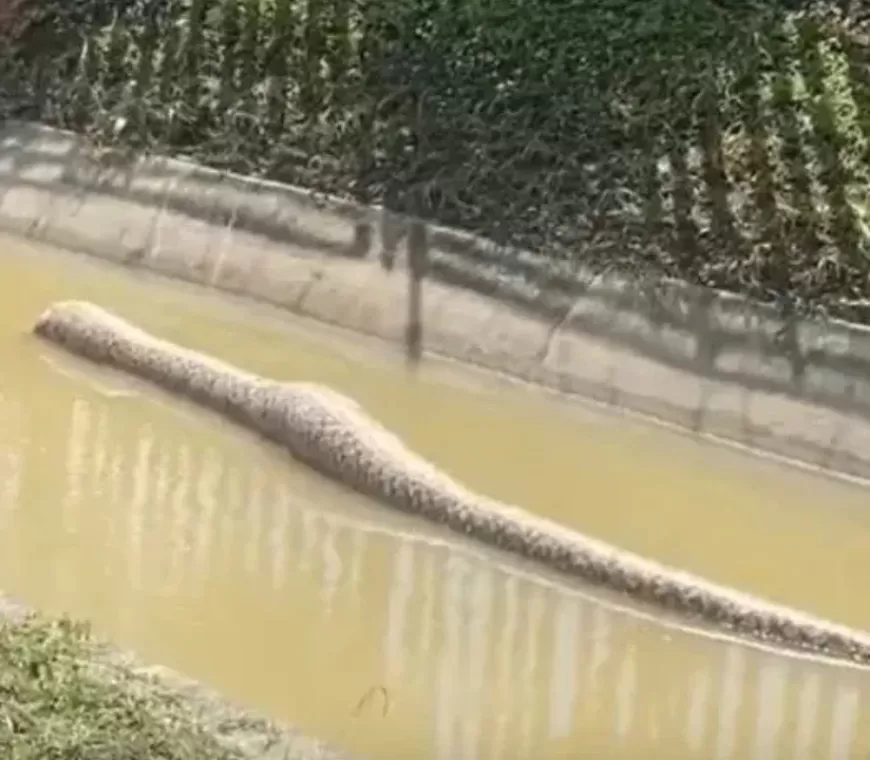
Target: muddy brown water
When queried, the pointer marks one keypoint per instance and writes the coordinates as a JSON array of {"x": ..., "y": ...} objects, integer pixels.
[{"x": 201, "y": 547}]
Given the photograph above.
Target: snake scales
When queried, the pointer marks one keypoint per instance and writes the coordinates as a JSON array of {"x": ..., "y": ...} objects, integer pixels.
[{"x": 333, "y": 434}]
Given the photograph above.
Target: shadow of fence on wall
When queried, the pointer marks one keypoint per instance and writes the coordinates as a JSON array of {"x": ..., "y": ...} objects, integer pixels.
[{"x": 707, "y": 334}]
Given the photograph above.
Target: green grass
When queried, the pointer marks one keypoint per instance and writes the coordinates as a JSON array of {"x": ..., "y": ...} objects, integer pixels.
[
  {"x": 56, "y": 703},
  {"x": 720, "y": 141}
]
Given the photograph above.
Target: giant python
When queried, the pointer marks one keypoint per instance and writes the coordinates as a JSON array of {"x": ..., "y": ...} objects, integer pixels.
[{"x": 333, "y": 434}]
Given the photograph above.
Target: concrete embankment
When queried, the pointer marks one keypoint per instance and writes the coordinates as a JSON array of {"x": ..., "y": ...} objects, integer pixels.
[{"x": 710, "y": 362}]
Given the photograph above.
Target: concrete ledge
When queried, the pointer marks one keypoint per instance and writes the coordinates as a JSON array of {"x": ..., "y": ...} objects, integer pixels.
[{"x": 710, "y": 362}]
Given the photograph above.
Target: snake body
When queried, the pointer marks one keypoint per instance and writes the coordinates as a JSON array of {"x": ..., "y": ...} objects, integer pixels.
[{"x": 333, "y": 434}]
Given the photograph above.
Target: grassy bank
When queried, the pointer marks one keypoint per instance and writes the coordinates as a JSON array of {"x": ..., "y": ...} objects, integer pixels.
[
  {"x": 56, "y": 703},
  {"x": 726, "y": 142},
  {"x": 65, "y": 695}
]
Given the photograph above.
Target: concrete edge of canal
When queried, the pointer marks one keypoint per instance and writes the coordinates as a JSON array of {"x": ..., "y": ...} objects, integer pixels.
[{"x": 709, "y": 362}]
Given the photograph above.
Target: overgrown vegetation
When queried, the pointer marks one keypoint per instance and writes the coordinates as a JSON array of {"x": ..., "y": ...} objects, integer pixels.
[
  {"x": 721, "y": 141},
  {"x": 56, "y": 703}
]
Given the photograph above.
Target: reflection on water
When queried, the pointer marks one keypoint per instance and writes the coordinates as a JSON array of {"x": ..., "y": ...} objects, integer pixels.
[
  {"x": 738, "y": 521},
  {"x": 263, "y": 580},
  {"x": 205, "y": 549}
]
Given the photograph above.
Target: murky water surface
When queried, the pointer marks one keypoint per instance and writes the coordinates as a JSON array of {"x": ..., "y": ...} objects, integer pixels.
[{"x": 203, "y": 548}]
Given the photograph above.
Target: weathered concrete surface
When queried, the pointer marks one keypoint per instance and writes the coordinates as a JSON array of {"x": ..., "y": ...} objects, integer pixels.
[{"x": 710, "y": 362}]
